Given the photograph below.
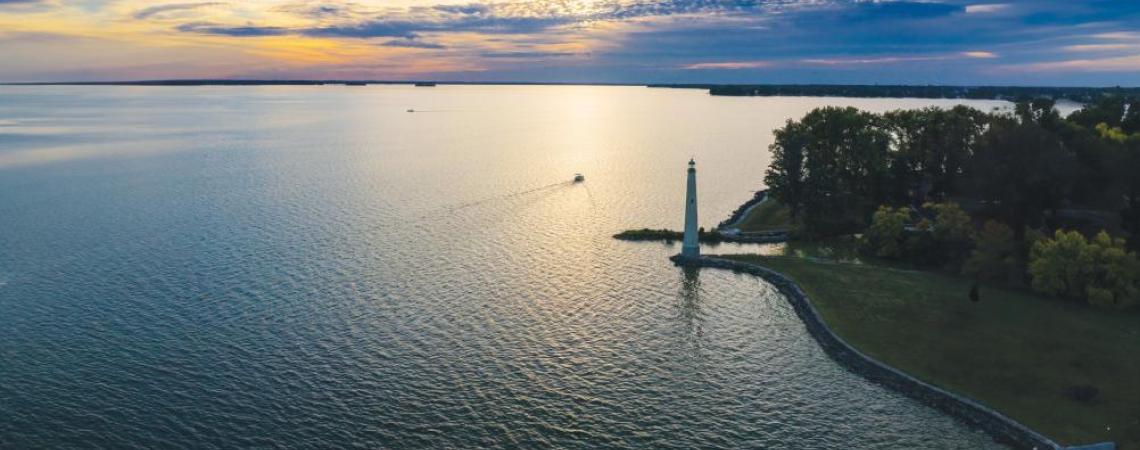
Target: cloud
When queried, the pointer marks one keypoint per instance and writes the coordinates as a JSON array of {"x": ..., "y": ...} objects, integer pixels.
[
  {"x": 844, "y": 41},
  {"x": 35, "y": 36},
  {"x": 898, "y": 10},
  {"x": 324, "y": 10},
  {"x": 979, "y": 54},
  {"x": 1098, "y": 47},
  {"x": 468, "y": 9},
  {"x": 517, "y": 17},
  {"x": 146, "y": 13},
  {"x": 527, "y": 54},
  {"x": 365, "y": 30},
  {"x": 27, "y": 5},
  {"x": 728, "y": 65},
  {"x": 875, "y": 60},
  {"x": 413, "y": 43},
  {"x": 238, "y": 31},
  {"x": 987, "y": 8},
  {"x": 1118, "y": 35},
  {"x": 1129, "y": 63}
]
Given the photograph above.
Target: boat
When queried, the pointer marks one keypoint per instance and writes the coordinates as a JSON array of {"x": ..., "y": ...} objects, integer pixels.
[
  {"x": 578, "y": 178},
  {"x": 411, "y": 110}
]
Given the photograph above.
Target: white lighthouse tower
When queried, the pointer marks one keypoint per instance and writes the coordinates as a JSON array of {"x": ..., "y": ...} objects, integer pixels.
[{"x": 690, "y": 247}]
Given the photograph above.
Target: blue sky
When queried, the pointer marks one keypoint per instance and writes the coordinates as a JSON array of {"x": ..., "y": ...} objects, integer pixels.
[{"x": 1048, "y": 42}]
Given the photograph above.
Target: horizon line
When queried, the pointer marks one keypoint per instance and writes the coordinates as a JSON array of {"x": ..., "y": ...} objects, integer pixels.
[{"x": 316, "y": 81}]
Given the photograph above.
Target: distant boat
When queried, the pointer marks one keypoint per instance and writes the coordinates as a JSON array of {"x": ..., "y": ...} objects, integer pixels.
[
  {"x": 425, "y": 84},
  {"x": 578, "y": 178},
  {"x": 411, "y": 110}
]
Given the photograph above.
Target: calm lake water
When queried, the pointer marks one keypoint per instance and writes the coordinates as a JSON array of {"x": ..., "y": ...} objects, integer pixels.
[{"x": 316, "y": 267}]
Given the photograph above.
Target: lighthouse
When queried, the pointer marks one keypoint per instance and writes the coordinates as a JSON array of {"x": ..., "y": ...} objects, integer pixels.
[{"x": 690, "y": 247}]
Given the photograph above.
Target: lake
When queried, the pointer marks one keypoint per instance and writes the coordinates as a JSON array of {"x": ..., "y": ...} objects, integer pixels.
[{"x": 315, "y": 267}]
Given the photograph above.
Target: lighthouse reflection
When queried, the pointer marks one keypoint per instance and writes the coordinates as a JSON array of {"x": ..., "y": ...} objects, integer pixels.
[{"x": 690, "y": 308}]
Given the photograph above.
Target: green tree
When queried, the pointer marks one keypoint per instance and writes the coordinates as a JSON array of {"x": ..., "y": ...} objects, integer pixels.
[
  {"x": 785, "y": 176},
  {"x": 846, "y": 165},
  {"x": 886, "y": 237},
  {"x": 1109, "y": 110},
  {"x": 1094, "y": 155},
  {"x": 952, "y": 233},
  {"x": 932, "y": 147},
  {"x": 1115, "y": 279},
  {"x": 1060, "y": 266},
  {"x": 1021, "y": 169},
  {"x": 1039, "y": 111},
  {"x": 1127, "y": 176},
  {"x": 1113, "y": 134},
  {"x": 1131, "y": 121},
  {"x": 995, "y": 254},
  {"x": 1100, "y": 272}
]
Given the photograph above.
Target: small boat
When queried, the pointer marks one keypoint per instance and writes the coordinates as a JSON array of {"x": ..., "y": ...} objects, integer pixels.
[
  {"x": 411, "y": 110},
  {"x": 578, "y": 178}
]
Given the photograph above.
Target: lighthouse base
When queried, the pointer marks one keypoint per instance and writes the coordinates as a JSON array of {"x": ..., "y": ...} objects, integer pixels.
[{"x": 684, "y": 260}]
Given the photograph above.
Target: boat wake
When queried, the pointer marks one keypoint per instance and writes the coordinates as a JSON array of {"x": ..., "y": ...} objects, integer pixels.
[
  {"x": 532, "y": 191},
  {"x": 511, "y": 195}
]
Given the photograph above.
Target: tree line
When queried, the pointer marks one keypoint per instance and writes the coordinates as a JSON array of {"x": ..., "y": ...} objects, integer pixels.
[
  {"x": 1077, "y": 94},
  {"x": 972, "y": 191}
]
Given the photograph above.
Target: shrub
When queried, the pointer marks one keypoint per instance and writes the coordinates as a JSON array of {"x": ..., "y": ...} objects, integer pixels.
[
  {"x": 945, "y": 241},
  {"x": 886, "y": 236},
  {"x": 994, "y": 256},
  {"x": 1059, "y": 266},
  {"x": 1116, "y": 273},
  {"x": 1100, "y": 272},
  {"x": 952, "y": 233}
]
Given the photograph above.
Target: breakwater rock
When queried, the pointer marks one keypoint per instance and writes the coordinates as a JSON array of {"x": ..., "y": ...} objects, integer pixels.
[
  {"x": 707, "y": 237},
  {"x": 1002, "y": 428},
  {"x": 731, "y": 221}
]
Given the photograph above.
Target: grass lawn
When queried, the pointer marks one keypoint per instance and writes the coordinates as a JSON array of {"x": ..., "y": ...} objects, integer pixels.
[
  {"x": 767, "y": 216},
  {"x": 1014, "y": 351}
]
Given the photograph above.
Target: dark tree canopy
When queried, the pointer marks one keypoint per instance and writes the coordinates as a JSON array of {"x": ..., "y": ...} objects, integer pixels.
[
  {"x": 1131, "y": 121},
  {"x": 785, "y": 176},
  {"x": 832, "y": 166},
  {"x": 1028, "y": 167},
  {"x": 932, "y": 147},
  {"x": 1108, "y": 110},
  {"x": 1128, "y": 177},
  {"x": 1039, "y": 111},
  {"x": 1022, "y": 169}
]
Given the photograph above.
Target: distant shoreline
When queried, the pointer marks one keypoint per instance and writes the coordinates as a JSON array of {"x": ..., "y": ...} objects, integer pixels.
[
  {"x": 1008, "y": 93},
  {"x": 210, "y": 82}
]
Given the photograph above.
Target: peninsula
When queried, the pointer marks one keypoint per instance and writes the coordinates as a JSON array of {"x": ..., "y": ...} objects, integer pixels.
[{"x": 982, "y": 278}]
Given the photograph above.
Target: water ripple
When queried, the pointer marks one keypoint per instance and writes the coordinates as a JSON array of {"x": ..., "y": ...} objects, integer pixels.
[{"x": 304, "y": 278}]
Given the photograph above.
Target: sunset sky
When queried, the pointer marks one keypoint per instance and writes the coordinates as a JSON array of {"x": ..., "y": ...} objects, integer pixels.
[{"x": 1053, "y": 42}]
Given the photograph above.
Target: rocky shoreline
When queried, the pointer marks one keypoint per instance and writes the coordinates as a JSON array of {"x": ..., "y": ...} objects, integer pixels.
[
  {"x": 723, "y": 233},
  {"x": 707, "y": 237},
  {"x": 1002, "y": 428},
  {"x": 743, "y": 209}
]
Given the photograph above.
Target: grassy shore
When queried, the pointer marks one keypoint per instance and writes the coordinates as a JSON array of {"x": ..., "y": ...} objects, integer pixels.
[
  {"x": 767, "y": 216},
  {"x": 1030, "y": 357}
]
